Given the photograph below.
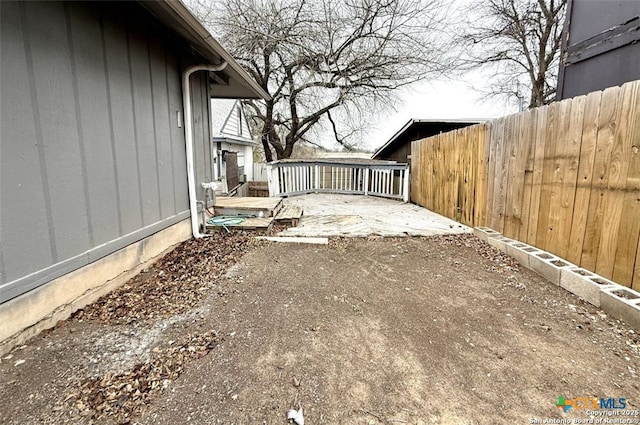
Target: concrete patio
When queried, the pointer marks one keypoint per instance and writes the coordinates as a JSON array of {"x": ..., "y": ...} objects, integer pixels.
[{"x": 360, "y": 216}]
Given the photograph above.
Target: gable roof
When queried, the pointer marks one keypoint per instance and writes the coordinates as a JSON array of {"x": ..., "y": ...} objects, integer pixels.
[
  {"x": 233, "y": 81},
  {"x": 225, "y": 121},
  {"x": 412, "y": 124}
]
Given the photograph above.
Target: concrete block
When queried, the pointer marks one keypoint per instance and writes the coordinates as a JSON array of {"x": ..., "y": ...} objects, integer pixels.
[
  {"x": 585, "y": 284},
  {"x": 484, "y": 233},
  {"x": 521, "y": 252},
  {"x": 499, "y": 242},
  {"x": 548, "y": 266},
  {"x": 622, "y": 303}
]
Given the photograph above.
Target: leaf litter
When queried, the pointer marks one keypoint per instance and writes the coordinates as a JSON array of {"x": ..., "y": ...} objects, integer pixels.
[{"x": 140, "y": 311}]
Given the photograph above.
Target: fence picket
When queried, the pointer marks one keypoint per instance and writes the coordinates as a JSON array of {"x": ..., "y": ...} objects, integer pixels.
[{"x": 563, "y": 177}]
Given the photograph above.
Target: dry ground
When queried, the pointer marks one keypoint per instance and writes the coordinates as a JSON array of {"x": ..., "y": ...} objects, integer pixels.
[{"x": 441, "y": 330}]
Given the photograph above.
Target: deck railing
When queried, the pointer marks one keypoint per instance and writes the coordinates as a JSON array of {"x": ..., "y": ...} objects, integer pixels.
[{"x": 288, "y": 178}]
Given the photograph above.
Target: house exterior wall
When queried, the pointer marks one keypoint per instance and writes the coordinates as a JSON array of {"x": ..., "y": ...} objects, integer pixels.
[
  {"x": 231, "y": 133},
  {"x": 232, "y": 125},
  {"x": 203, "y": 151},
  {"x": 229, "y": 119},
  {"x": 92, "y": 158},
  {"x": 248, "y": 162},
  {"x": 399, "y": 154},
  {"x": 601, "y": 46}
]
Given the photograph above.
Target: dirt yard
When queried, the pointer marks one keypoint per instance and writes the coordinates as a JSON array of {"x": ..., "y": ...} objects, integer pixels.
[{"x": 441, "y": 330}]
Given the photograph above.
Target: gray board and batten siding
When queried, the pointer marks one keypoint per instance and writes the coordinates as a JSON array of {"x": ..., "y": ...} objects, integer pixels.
[
  {"x": 92, "y": 153},
  {"x": 600, "y": 46}
]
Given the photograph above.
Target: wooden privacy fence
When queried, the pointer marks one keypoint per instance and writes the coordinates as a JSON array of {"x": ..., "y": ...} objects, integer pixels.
[{"x": 564, "y": 178}]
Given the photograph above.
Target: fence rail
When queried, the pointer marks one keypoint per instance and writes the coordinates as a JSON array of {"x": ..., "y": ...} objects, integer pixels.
[
  {"x": 259, "y": 172},
  {"x": 564, "y": 178},
  {"x": 297, "y": 178}
]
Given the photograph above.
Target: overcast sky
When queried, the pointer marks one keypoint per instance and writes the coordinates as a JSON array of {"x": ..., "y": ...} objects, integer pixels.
[
  {"x": 451, "y": 99},
  {"x": 442, "y": 99}
]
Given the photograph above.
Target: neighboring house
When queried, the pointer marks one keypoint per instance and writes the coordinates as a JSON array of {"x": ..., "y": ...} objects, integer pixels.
[
  {"x": 600, "y": 46},
  {"x": 232, "y": 143},
  {"x": 398, "y": 147},
  {"x": 343, "y": 155},
  {"x": 303, "y": 150},
  {"x": 105, "y": 141}
]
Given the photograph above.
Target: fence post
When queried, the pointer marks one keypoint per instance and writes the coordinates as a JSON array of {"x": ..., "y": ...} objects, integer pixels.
[{"x": 317, "y": 179}]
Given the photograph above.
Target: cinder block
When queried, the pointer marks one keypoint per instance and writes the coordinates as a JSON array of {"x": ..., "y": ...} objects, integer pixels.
[
  {"x": 548, "y": 266},
  {"x": 484, "y": 233},
  {"x": 622, "y": 303},
  {"x": 585, "y": 284},
  {"x": 521, "y": 252},
  {"x": 499, "y": 242}
]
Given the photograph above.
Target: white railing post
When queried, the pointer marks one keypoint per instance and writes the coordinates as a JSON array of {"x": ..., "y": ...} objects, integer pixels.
[
  {"x": 317, "y": 179},
  {"x": 366, "y": 181},
  {"x": 405, "y": 185},
  {"x": 392, "y": 188},
  {"x": 272, "y": 180}
]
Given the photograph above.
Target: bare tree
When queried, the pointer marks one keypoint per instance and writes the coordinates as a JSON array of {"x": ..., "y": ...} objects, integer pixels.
[
  {"x": 519, "y": 40},
  {"x": 321, "y": 60}
]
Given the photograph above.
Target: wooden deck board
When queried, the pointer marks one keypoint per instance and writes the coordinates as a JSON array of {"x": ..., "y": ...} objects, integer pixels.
[
  {"x": 289, "y": 214},
  {"x": 259, "y": 206},
  {"x": 247, "y": 203}
]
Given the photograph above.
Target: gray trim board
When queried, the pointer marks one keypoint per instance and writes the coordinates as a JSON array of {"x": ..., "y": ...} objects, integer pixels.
[
  {"x": 613, "y": 38},
  {"x": 234, "y": 140}
]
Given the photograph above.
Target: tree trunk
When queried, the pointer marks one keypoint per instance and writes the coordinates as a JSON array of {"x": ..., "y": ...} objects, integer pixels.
[{"x": 268, "y": 155}]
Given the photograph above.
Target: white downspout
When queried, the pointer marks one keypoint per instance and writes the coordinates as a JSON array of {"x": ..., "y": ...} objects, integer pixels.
[{"x": 188, "y": 136}]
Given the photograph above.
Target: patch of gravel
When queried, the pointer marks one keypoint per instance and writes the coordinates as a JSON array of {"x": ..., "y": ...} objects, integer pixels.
[
  {"x": 121, "y": 395},
  {"x": 129, "y": 345}
]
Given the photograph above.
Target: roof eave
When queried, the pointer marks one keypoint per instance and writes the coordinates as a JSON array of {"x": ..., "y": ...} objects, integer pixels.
[
  {"x": 408, "y": 124},
  {"x": 394, "y": 137},
  {"x": 175, "y": 15},
  {"x": 234, "y": 140}
]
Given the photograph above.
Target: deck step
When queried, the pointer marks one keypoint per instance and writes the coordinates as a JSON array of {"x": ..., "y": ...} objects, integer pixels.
[
  {"x": 260, "y": 207},
  {"x": 289, "y": 214}
]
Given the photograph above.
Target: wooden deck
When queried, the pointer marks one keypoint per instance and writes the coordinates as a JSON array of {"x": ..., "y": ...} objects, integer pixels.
[
  {"x": 259, "y": 206},
  {"x": 327, "y": 215}
]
